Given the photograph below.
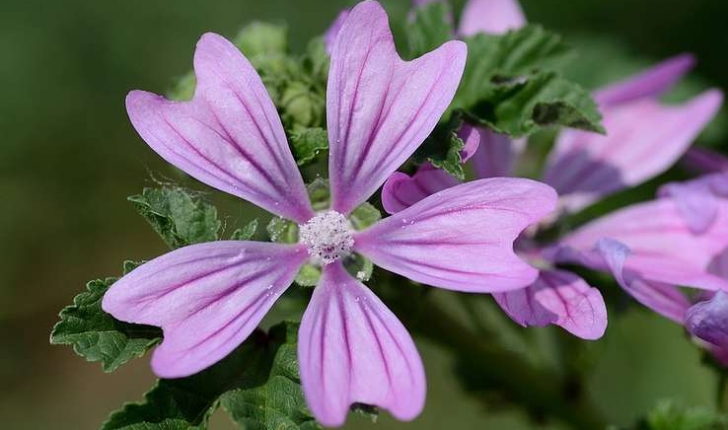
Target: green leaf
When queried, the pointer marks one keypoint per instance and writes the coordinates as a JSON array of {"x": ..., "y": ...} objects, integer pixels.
[
  {"x": 359, "y": 267},
  {"x": 281, "y": 230},
  {"x": 319, "y": 194},
  {"x": 430, "y": 28},
  {"x": 96, "y": 335},
  {"x": 442, "y": 148},
  {"x": 494, "y": 59},
  {"x": 510, "y": 86},
  {"x": 181, "y": 217},
  {"x": 247, "y": 232},
  {"x": 307, "y": 143},
  {"x": 543, "y": 100},
  {"x": 308, "y": 276},
  {"x": 365, "y": 215},
  {"x": 262, "y": 39},
  {"x": 258, "y": 384},
  {"x": 278, "y": 402}
]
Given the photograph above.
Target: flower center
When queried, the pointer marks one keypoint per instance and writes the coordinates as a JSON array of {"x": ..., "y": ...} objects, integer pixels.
[{"x": 328, "y": 237}]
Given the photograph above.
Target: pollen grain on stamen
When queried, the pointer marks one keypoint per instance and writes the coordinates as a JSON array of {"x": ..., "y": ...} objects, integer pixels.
[{"x": 328, "y": 237}]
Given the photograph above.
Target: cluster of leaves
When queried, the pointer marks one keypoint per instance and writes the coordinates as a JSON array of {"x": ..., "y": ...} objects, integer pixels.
[
  {"x": 96, "y": 335},
  {"x": 511, "y": 83},
  {"x": 258, "y": 384}
]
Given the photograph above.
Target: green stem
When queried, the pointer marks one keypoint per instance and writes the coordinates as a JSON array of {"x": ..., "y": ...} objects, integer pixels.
[
  {"x": 469, "y": 305},
  {"x": 722, "y": 392},
  {"x": 540, "y": 391}
]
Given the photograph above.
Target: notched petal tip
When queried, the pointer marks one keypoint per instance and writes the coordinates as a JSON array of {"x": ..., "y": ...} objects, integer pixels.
[
  {"x": 352, "y": 349},
  {"x": 207, "y": 298},
  {"x": 462, "y": 238},
  {"x": 560, "y": 298},
  {"x": 379, "y": 107},
  {"x": 229, "y": 135}
]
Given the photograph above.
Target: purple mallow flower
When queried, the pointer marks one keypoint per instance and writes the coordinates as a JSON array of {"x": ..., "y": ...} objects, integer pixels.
[
  {"x": 701, "y": 202},
  {"x": 209, "y": 297},
  {"x": 651, "y": 247}
]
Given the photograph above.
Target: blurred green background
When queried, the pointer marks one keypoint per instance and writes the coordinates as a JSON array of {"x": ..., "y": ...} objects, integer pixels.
[{"x": 69, "y": 159}]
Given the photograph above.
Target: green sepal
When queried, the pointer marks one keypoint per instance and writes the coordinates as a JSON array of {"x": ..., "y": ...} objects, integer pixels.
[
  {"x": 308, "y": 276},
  {"x": 96, "y": 335},
  {"x": 281, "y": 230},
  {"x": 307, "y": 143},
  {"x": 359, "y": 267},
  {"x": 319, "y": 193},
  {"x": 364, "y": 216},
  {"x": 247, "y": 232},
  {"x": 181, "y": 217}
]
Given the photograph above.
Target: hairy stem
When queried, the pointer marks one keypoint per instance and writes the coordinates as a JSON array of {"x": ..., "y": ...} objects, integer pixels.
[{"x": 721, "y": 392}]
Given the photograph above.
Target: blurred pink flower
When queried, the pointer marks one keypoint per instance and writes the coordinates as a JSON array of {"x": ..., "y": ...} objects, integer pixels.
[
  {"x": 644, "y": 138},
  {"x": 209, "y": 297}
]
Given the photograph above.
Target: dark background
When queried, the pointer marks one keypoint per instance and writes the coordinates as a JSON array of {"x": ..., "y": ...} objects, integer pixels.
[{"x": 69, "y": 159}]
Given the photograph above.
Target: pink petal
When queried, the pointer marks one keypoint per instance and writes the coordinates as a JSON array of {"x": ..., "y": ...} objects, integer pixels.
[
  {"x": 665, "y": 299},
  {"x": 333, "y": 32},
  {"x": 491, "y": 16},
  {"x": 352, "y": 349},
  {"x": 402, "y": 191},
  {"x": 719, "y": 264},
  {"x": 380, "y": 108},
  {"x": 471, "y": 137},
  {"x": 229, "y": 135},
  {"x": 207, "y": 298},
  {"x": 650, "y": 83},
  {"x": 702, "y": 160},
  {"x": 643, "y": 140},
  {"x": 496, "y": 153},
  {"x": 461, "y": 238},
  {"x": 708, "y": 320},
  {"x": 662, "y": 246},
  {"x": 697, "y": 199},
  {"x": 561, "y": 298}
]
